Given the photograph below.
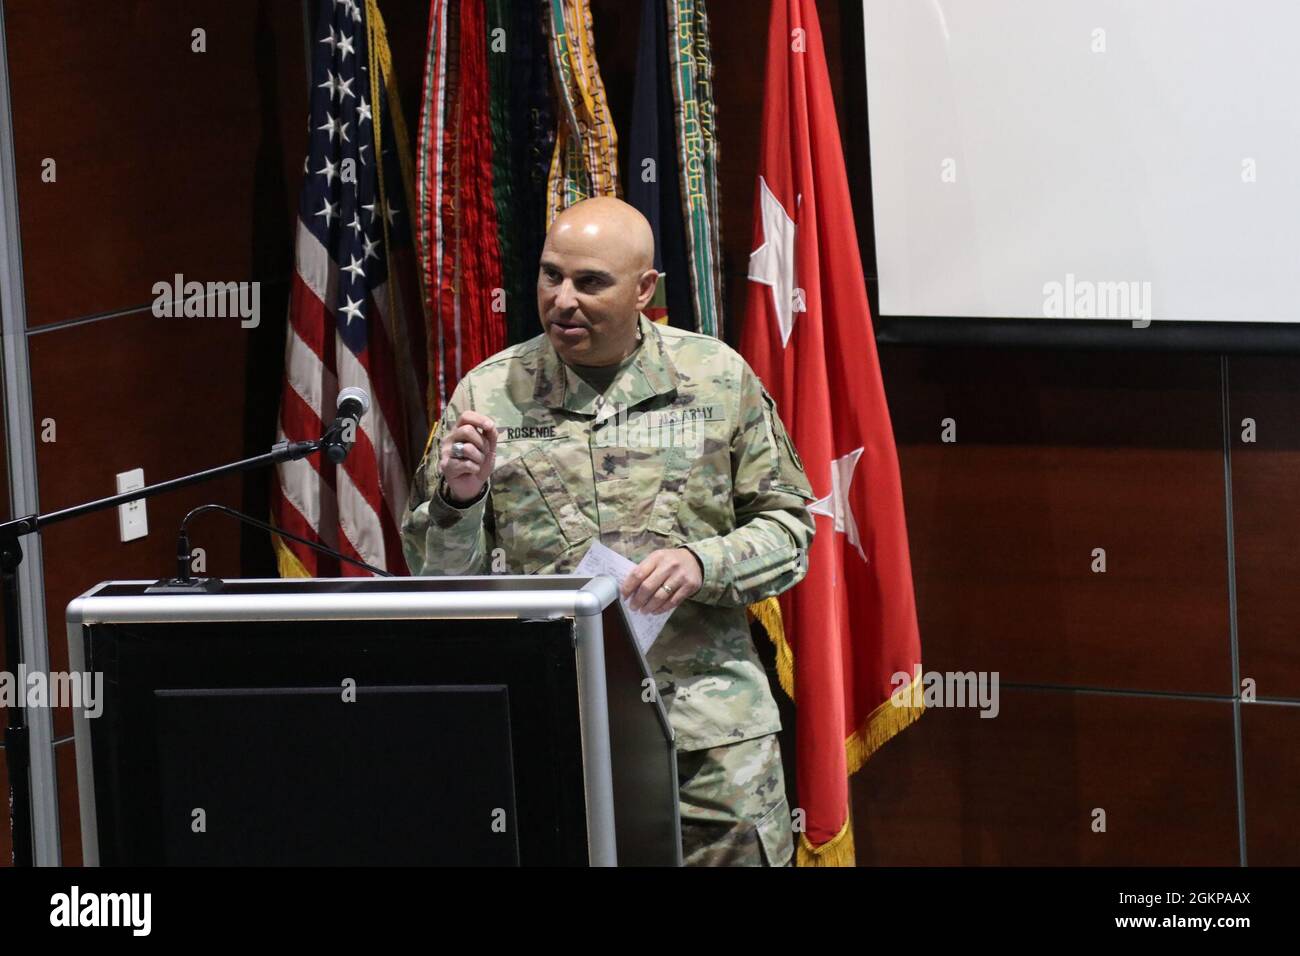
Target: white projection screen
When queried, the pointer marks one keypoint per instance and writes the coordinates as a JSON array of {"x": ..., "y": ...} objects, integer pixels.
[{"x": 1120, "y": 160}]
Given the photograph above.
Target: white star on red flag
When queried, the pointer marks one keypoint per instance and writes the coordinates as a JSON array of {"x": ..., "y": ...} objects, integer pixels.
[
  {"x": 772, "y": 263},
  {"x": 836, "y": 504}
]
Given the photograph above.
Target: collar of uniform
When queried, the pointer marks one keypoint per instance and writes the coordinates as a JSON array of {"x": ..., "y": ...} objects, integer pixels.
[{"x": 651, "y": 373}]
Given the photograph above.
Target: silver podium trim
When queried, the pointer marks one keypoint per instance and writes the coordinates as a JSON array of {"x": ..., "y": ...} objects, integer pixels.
[{"x": 537, "y": 597}]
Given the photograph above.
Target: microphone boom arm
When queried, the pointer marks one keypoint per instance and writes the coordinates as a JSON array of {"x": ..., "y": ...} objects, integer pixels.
[{"x": 17, "y": 741}]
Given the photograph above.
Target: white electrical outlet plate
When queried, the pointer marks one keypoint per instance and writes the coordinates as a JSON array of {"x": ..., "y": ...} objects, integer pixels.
[{"x": 131, "y": 520}]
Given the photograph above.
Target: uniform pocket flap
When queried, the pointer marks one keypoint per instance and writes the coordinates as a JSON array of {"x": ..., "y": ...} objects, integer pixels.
[
  {"x": 575, "y": 526},
  {"x": 775, "y": 835}
]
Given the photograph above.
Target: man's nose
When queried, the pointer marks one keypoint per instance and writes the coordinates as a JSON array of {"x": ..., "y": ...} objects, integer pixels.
[{"x": 564, "y": 296}]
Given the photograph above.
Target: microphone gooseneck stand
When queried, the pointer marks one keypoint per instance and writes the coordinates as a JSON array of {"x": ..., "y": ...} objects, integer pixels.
[
  {"x": 17, "y": 744},
  {"x": 184, "y": 583}
]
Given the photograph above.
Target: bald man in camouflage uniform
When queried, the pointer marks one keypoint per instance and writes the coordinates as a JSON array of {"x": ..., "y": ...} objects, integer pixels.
[{"x": 664, "y": 446}]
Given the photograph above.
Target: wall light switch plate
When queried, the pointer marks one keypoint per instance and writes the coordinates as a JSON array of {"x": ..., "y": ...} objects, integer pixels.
[{"x": 131, "y": 520}]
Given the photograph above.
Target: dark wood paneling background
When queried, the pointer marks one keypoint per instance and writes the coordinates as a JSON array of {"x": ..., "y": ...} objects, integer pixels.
[
  {"x": 1116, "y": 687},
  {"x": 168, "y": 161}
]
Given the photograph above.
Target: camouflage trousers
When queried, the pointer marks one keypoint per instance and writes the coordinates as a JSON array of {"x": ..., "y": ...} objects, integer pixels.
[{"x": 733, "y": 806}]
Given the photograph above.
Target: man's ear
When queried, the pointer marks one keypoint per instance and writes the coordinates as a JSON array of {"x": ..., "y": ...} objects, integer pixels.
[{"x": 645, "y": 288}]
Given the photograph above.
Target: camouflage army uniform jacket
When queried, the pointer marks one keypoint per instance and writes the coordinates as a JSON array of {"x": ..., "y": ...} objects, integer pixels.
[{"x": 684, "y": 449}]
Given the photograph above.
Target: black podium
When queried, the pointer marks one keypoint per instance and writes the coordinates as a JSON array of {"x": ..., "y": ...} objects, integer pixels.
[{"x": 450, "y": 721}]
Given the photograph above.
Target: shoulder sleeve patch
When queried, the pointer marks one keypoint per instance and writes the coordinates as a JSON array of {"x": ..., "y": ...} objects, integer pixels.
[{"x": 778, "y": 429}]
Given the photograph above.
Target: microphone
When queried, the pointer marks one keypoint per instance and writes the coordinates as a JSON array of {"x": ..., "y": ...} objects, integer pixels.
[{"x": 353, "y": 404}]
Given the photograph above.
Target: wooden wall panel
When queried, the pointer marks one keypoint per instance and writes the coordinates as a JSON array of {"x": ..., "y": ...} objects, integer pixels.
[
  {"x": 1056, "y": 455},
  {"x": 1272, "y": 767},
  {"x": 128, "y": 392},
  {"x": 168, "y": 160},
  {"x": 1021, "y": 788},
  {"x": 1266, "y": 510}
]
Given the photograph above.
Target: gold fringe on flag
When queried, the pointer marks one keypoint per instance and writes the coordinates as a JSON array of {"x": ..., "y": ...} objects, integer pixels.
[
  {"x": 837, "y": 851},
  {"x": 888, "y": 718},
  {"x": 287, "y": 561},
  {"x": 768, "y": 613}
]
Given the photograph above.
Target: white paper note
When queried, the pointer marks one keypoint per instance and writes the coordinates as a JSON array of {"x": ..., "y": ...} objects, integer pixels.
[{"x": 602, "y": 560}]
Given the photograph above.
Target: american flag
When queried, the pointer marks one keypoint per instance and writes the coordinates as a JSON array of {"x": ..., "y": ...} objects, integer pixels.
[{"x": 354, "y": 313}]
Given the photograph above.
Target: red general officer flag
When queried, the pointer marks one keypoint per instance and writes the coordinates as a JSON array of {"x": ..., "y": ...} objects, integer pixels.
[{"x": 850, "y": 625}]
